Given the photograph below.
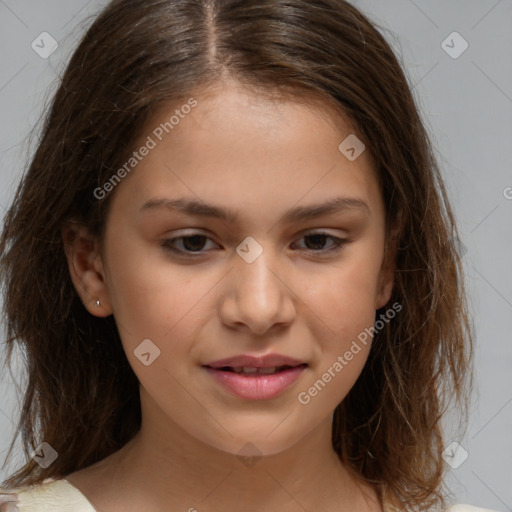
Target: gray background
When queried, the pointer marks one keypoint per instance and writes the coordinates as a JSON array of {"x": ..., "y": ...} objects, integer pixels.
[{"x": 466, "y": 103}]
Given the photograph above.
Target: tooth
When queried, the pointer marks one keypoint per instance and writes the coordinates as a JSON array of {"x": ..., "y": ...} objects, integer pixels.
[
  {"x": 239, "y": 369},
  {"x": 247, "y": 369},
  {"x": 267, "y": 370}
]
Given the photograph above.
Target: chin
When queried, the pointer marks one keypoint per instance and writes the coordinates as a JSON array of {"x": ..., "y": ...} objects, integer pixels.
[{"x": 256, "y": 445}]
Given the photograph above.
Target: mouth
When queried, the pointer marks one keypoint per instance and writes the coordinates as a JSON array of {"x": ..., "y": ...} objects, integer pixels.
[
  {"x": 255, "y": 383},
  {"x": 253, "y": 371}
]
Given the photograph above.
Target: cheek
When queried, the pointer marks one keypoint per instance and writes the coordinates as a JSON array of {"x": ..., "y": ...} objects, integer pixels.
[
  {"x": 344, "y": 315},
  {"x": 344, "y": 297},
  {"x": 154, "y": 298},
  {"x": 331, "y": 383},
  {"x": 344, "y": 301}
]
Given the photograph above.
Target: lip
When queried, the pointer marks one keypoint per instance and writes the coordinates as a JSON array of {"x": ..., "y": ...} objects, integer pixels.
[
  {"x": 256, "y": 386},
  {"x": 266, "y": 361}
]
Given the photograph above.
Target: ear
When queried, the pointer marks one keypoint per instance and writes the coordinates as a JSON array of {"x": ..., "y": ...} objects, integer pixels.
[
  {"x": 86, "y": 268},
  {"x": 387, "y": 272}
]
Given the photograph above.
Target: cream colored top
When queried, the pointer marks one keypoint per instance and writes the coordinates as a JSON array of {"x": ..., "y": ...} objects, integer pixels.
[{"x": 61, "y": 496}]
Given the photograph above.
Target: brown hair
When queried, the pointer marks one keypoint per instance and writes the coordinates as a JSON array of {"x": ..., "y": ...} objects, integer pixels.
[{"x": 82, "y": 395}]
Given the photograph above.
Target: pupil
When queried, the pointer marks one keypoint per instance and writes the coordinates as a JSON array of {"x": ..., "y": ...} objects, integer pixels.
[
  {"x": 187, "y": 245},
  {"x": 317, "y": 239}
]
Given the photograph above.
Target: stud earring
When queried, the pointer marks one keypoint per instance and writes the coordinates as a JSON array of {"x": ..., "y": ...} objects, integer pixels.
[{"x": 98, "y": 303}]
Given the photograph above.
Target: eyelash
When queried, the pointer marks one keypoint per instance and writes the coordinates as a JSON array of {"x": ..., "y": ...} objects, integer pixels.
[{"x": 339, "y": 244}]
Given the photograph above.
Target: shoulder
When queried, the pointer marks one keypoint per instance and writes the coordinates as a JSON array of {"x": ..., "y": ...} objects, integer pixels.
[
  {"x": 51, "y": 495},
  {"x": 467, "y": 508}
]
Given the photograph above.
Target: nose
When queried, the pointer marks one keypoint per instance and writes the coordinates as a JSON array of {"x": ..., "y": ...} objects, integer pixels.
[{"x": 259, "y": 295}]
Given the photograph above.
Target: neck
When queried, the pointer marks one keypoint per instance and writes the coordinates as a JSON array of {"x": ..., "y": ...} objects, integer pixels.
[{"x": 168, "y": 469}]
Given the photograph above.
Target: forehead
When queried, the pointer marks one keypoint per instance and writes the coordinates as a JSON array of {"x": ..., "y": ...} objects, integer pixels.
[
  {"x": 235, "y": 143},
  {"x": 264, "y": 109}
]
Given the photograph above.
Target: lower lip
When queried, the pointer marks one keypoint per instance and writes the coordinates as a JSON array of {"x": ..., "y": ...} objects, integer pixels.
[{"x": 257, "y": 386}]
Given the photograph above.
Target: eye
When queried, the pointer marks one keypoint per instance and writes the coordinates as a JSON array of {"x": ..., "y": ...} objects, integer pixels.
[
  {"x": 319, "y": 238},
  {"x": 193, "y": 244}
]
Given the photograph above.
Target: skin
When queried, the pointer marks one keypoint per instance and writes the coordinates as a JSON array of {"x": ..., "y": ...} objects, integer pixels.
[{"x": 259, "y": 157}]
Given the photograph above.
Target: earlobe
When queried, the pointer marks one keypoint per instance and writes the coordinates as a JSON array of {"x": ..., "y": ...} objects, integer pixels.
[{"x": 86, "y": 269}]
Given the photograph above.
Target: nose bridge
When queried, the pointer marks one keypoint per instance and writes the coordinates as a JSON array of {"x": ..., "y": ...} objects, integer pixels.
[
  {"x": 258, "y": 297},
  {"x": 256, "y": 281}
]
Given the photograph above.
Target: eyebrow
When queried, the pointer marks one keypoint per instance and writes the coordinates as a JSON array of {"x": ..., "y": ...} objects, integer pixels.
[{"x": 299, "y": 213}]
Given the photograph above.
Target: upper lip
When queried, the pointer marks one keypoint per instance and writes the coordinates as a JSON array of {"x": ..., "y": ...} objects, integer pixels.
[{"x": 247, "y": 361}]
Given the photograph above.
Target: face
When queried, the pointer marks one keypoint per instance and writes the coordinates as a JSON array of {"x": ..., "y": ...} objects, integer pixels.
[{"x": 279, "y": 275}]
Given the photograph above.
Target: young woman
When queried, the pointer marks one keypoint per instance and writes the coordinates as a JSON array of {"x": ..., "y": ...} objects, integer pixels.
[{"x": 231, "y": 267}]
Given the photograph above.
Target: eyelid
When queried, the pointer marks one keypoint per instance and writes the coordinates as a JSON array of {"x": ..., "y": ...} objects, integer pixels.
[
  {"x": 166, "y": 244},
  {"x": 338, "y": 243}
]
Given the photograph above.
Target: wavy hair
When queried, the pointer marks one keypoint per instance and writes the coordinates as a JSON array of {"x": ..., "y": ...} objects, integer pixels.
[{"x": 82, "y": 396}]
